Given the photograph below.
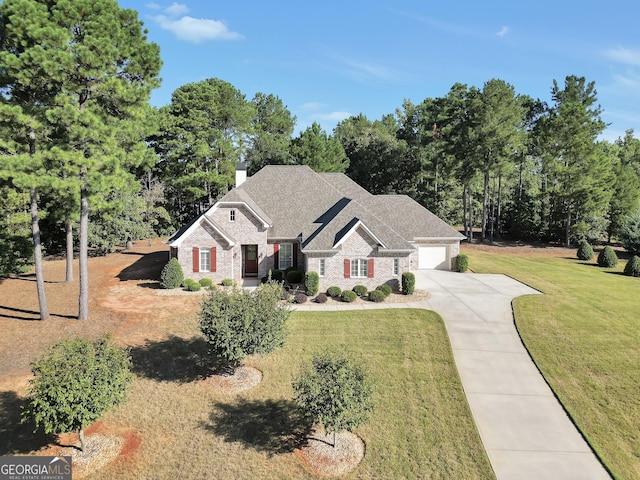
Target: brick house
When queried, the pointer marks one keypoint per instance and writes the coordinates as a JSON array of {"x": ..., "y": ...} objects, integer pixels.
[{"x": 290, "y": 216}]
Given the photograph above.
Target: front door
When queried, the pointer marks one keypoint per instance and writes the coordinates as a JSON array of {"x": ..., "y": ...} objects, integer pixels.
[{"x": 250, "y": 260}]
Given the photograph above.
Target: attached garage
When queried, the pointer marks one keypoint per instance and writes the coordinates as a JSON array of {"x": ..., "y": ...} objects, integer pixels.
[{"x": 433, "y": 257}]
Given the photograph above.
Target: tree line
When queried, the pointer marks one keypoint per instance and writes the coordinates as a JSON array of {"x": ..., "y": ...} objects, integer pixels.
[{"x": 86, "y": 163}]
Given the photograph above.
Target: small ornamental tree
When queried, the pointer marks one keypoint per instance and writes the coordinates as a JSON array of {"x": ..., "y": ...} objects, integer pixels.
[
  {"x": 585, "y": 251},
  {"x": 243, "y": 323},
  {"x": 172, "y": 276},
  {"x": 632, "y": 268},
  {"x": 607, "y": 257},
  {"x": 75, "y": 382},
  {"x": 334, "y": 392}
]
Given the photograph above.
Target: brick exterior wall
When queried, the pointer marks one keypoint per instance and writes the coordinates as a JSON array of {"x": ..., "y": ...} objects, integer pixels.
[{"x": 358, "y": 245}]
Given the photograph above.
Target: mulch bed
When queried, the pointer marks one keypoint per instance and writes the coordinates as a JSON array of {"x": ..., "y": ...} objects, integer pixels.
[
  {"x": 321, "y": 457},
  {"x": 243, "y": 378}
]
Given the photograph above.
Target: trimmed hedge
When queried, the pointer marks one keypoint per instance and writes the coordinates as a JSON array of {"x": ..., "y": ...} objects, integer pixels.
[
  {"x": 377, "y": 296},
  {"x": 408, "y": 283},
  {"x": 227, "y": 282},
  {"x": 206, "y": 282},
  {"x": 188, "y": 281},
  {"x": 462, "y": 263},
  {"x": 334, "y": 291},
  {"x": 607, "y": 257},
  {"x": 360, "y": 290},
  {"x": 585, "y": 251},
  {"x": 348, "y": 296},
  {"x": 294, "y": 276},
  {"x": 632, "y": 268},
  {"x": 311, "y": 283},
  {"x": 171, "y": 276},
  {"x": 193, "y": 286},
  {"x": 386, "y": 289}
]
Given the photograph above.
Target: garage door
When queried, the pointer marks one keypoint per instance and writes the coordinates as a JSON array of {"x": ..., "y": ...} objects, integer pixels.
[{"x": 434, "y": 257}]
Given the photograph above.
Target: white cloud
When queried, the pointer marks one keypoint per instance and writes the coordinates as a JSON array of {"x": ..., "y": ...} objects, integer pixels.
[
  {"x": 624, "y": 55},
  {"x": 310, "y": 106},
  {"x": 197, "y": 30},
  {"x": 503, "y": 31},
  {"x": 190, "y": 29},
  {"x": 153, "y": 6},
  {"x": 176, "y": 9},
  {"x": 333, "y": 116}
]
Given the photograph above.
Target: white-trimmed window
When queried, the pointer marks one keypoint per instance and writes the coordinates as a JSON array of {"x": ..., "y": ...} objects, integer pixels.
[
  {"x": 232, "y": 215},
  {"x": 359, "y": 268},
  {"x": 321, "y": 267},
  {"x": 205, "y": 260},
  {"x": 396, "y": 266},
  {"x": 285, "y": 256}
]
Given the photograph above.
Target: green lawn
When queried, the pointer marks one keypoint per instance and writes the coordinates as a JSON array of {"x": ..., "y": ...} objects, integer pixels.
[
  {"x": 422, "y": 427},
  {"x": 584, "y": 335}
]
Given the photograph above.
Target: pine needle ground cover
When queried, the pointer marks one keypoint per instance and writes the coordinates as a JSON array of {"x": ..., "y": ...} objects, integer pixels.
[
  {"x": 422, "y": 427},
  {"x": 584, "y": 335}
]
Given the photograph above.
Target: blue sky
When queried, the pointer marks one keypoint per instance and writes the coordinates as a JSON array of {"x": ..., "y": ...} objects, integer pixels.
[{"x": 332, "y": 59}]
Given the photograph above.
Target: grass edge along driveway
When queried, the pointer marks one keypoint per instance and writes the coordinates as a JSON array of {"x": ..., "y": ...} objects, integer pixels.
[{"x": 584, "y": 336}]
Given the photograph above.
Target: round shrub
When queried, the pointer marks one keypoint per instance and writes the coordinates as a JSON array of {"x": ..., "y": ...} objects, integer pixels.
[
  {"x": 276, "y": 275},
  {"x": 227, "y": 282},
  {"x": 607, "y": 257},
  {"x": 348, "y": 296},
  {"x": 377, "y": 296},
  {"x": 462, "y": 263},
  {"x": 300, "y": 298},
  {"x": 187, "y": 281},
  {"x": 632, "y": 268},
  {"x": 294, "y": 276},
  {"x": 311, "y": 283},
  {"x": 193, "y": 286},
  {"x": 386, "y": 289},
  {"x": 408, "y": 283},
  {"x": 206, "y": 282},
  {"x": 321, "y": 298},
  {"x": 360, "y": 290},
  {"x": 334, "y": 291},
  {"x": 585, "y": 251},
  {"x": 171, "y": 276}
]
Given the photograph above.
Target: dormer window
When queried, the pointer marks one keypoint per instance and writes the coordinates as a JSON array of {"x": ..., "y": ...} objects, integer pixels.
[{"x": 232, "y": 215}]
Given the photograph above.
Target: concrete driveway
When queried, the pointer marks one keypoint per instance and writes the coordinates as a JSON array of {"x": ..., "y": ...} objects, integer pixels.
[{"x": 525, "y": 431}]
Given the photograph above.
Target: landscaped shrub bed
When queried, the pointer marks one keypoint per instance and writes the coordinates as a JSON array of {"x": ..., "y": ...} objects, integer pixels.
[
  {"x": 386, "y": 289},
  {"x": 377, "y": 296},
  {"x": 334, "y": 291},
  {"x": 206, "y": 282}
]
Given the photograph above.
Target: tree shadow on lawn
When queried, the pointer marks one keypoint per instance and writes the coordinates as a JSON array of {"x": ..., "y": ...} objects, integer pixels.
[
  {"x": 174, "y": 359},
  {"x": 147, "y": 267},
  {"x": 270, "y": 426},
  {"x": 16, "y": 437}
]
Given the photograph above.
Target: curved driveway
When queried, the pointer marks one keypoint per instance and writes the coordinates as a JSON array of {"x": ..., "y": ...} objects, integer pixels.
[{"x": 526, "y": 433}]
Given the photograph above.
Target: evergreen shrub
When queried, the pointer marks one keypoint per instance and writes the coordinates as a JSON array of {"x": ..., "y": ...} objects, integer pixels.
[
  {"x": 193, "y": 286},
  {"x": 585, "y": 251},
  {"x": 294, "y": 276},
  {"x": 632, "y": 268},
  {"x": 607, "y": 257},
  {"x": 227, "y": 282},
  {"x": 348, "y": 296},
  {"x": 377, "y": 296},
  {"x": 386, "y": 289},
  {"x": 276, "y": 275},
  {"x": 171, "y": 276},
  {"x": 360, "y": 290},
  {"x": 408, "y": 283},
  {"x": 300, "y": 298},
  {"x": 206, "y": 282},
  {"x": 462, "y": 263},
  {"x": 321, "y": 298},
  {"x": 334, "y": 291},
  {"x": 311, "y": 283}
]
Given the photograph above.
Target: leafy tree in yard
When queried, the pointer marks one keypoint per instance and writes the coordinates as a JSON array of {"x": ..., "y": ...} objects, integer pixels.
[
  {"x": 334, "y": 392},
  {"x": 243, "y": 323},
  {"x": 75, "y": 382}
]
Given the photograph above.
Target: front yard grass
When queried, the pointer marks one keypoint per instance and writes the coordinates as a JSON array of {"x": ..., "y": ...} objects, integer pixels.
[
  {"x": 421, "y": 428},
  {"x": 584, "y": 335}
]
